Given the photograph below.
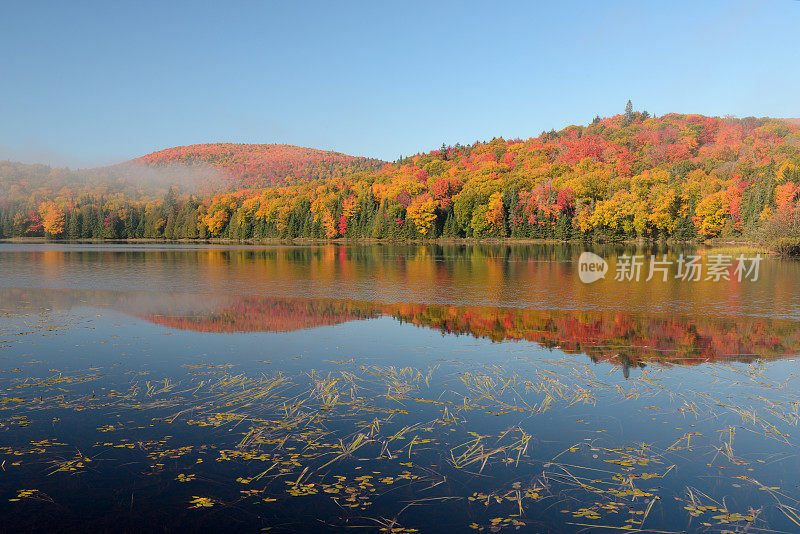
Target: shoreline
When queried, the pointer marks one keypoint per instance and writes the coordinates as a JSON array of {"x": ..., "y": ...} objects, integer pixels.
[{"x": 462, "y": 241}]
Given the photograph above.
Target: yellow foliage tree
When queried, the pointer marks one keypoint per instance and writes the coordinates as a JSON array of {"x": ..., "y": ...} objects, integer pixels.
[
  {"x": 329, "y": 224},
  {"x": 422, "y": 211},
  {"x": 710, "y": 215},
  {"x": 216, "y": 221},
  {"x": 618, "y": 211},
  {"x": 496, "y": 212},
  {"x": 52, "y": 218}
]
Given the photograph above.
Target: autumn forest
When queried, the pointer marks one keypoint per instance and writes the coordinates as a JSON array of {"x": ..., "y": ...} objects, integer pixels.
[{"x": 629, "y": 176}]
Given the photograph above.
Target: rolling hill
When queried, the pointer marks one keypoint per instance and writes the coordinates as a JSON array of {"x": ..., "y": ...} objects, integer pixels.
[
  {"x": 249, "y": 166},
  {"x": 200, "y": 169}
]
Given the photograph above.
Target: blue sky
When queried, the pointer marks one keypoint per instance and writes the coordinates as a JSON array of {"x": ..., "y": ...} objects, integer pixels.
[{"x": 85, "y": 83}]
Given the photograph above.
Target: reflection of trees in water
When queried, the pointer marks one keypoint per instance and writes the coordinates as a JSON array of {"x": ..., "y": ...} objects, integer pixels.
[
  {"x": 619, "y": 336},
  {"x": 611, "y": 336},
  {"x": 541, "y": 276},
  {"x": 623, "y": 338},
  {"x": 627, "y": 364},
  {"x": 253, "y": 314}
]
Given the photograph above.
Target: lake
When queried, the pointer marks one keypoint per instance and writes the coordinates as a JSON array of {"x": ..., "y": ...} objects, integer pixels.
[{"x": 397, "y": 388}]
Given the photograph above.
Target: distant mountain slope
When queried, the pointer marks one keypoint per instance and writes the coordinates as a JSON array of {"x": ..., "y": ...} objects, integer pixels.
[
  {"x": 254, "y": 166},
  {"x": 201, "y": 169}
]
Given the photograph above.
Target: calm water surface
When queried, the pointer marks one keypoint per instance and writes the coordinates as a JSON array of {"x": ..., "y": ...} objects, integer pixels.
[{"x": 393, "y": 388}]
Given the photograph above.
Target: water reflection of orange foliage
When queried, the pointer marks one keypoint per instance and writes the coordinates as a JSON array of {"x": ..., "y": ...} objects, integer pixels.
[
  {"x": 523, "y": 276},
  {"x": 616, "y": 336}
]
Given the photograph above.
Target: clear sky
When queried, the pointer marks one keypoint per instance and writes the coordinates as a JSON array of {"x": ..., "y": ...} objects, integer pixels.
[{"x": 85, "y": 83}]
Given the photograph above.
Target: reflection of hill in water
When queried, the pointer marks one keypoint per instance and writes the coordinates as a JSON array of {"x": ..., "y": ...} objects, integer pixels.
[
  {"x": 258, "y": 314},
  {"x": 620, "y": 337},
  {"x": 603, "y": 336}
]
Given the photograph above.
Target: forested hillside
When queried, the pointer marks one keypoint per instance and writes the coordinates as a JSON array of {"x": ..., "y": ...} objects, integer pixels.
[
  {"x": 202, "y": 169},
  {"x": 627, "y": 176},
  {"x": 257, "y": 166}
]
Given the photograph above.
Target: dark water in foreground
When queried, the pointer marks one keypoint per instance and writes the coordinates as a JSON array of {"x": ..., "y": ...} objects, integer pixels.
[{"x": 390, "y": 388}]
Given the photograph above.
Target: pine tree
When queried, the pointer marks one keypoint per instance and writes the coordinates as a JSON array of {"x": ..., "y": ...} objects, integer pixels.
[
  {"x": 74, "y": 225},
  {"x": 379, "y": 226},
  {"x": 627, "y": 119}
]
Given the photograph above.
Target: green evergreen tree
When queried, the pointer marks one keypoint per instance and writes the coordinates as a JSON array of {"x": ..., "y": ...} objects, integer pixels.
[
  {"x": 628, "y": 117},
  {"x": 74, "y": 225}
]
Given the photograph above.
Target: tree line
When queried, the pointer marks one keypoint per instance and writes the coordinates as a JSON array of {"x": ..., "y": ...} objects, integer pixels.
[{"x": 628, "y": 176}]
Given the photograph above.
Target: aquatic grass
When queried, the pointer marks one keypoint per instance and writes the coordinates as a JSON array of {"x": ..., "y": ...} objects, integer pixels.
[{"x": 282, "y": 437}]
